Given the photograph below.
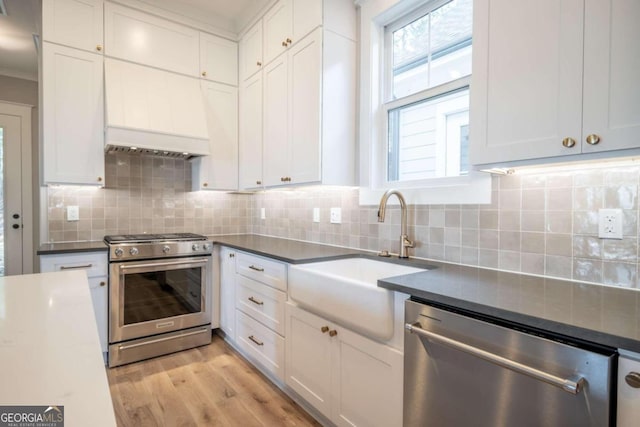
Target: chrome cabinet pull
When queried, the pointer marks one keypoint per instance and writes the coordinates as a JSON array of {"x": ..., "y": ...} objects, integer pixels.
[
  {"x": 252, "y": 338},
  {"x": 255, "y": 301},
  {"x": 75, "y": 267},
  {"x": 568, "y": 142},
  {"x": 572, "y": 386},
  {"x": 253, "y": 267}
]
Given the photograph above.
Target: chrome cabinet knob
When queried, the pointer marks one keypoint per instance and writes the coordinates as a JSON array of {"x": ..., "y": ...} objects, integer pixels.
[
  {"x": 568, "y": 142},
  {"x": 166, "y": 249},
  {"x": 118, "y": 252},
  {"x": 593, "y": 139},
  {"x": 133, "y": 251},
  {"x": 633, "y": 379}
]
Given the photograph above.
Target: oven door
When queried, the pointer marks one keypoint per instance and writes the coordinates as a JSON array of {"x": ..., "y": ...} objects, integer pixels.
[{"x": 153, "y": 297}]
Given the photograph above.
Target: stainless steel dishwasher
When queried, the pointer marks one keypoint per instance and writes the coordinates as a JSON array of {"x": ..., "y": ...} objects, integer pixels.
[{"x": 479, "y": 371}]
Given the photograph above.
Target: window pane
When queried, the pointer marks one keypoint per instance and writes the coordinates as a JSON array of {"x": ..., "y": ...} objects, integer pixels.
[
  {"x": 429, "y": 139},
  {"x": 433, "y": 49}
]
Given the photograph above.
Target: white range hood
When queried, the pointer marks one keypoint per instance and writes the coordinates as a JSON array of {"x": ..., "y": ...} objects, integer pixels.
[{"x": 154, "y": 111}]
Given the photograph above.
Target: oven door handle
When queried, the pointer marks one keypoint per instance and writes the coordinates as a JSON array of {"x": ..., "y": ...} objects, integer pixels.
[
  {"x": 163, "y": 264},
  {"x": 572, "y": 386}
]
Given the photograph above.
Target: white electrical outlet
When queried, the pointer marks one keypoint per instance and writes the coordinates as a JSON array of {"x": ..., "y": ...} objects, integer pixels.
[
  {"x": 610, "y": 223},
  {"x": 335, "y": 215},
  {"x": 316, "y": 214},
  {"x": 263, "y": 213},
  {"x": 73, "y": 213}
]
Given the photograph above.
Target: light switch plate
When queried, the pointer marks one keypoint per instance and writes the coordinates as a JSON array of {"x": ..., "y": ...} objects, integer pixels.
[
  {"x": 73, "y": 213},
  {"x": 335, "y": 216},
  {"x": 263, "y": 213},
  {"x": 610, "y": 223},
  {"x": 316, "y": 214}
]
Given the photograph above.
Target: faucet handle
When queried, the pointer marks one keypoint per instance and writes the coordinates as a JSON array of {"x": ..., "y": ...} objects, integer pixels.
[{"x": 406, "y": 242}]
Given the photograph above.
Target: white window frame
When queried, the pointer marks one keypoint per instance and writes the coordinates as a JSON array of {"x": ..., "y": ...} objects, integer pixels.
[{"x": 375, "y": 15}]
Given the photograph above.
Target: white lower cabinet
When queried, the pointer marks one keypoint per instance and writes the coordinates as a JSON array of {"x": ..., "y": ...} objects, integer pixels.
[
  {"x": 628, "y": 412},
  {"x": 264, "y": 345},
  {"x": 227, "y": 292},
  {"x": 351, "y": 380},
  {"x": 95, "y": 265}
]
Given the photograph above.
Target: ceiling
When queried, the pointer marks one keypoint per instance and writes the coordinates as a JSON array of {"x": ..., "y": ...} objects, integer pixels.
[{"x": 18, "y": 56}]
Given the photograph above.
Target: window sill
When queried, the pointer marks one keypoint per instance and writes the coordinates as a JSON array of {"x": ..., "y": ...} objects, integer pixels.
[{"x": 473, "y": 189}]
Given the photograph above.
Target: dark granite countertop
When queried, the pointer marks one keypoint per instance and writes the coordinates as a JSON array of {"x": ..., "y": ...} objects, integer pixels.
[
  {"x": 71, "y": 247},
  {"x": 601, "y": 314},
  {"x": 290, "y": 251}
]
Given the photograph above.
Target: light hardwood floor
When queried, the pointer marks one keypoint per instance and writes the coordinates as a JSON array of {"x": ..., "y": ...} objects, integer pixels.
[{"x": 205, "y": 386}]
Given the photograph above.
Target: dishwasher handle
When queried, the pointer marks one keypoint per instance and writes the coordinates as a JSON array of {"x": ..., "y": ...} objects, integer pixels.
[{"x": 572, "y": 386}]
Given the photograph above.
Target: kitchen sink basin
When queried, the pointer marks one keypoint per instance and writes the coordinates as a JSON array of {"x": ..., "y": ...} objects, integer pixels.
[{"x": 346, "y": 291}]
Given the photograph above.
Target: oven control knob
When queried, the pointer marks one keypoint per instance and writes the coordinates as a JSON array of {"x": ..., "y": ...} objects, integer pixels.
[
  {"x": 118, "y": 252},
  {"x": 206, "y": 246},
  {"x": 195, "y": 247},
  {"x": 166, "y": 249},
  {"x": 133, "y": 251}
]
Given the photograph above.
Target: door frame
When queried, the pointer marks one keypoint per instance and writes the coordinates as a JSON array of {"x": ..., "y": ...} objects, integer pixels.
[{"x": 23, "y": 112}]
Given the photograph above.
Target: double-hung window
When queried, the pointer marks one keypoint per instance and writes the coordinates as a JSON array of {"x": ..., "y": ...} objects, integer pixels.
[{"x": 427, "y": 58}]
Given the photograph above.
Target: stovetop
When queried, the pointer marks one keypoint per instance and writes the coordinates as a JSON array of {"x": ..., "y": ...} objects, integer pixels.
[{"x": 144, "y": 238}]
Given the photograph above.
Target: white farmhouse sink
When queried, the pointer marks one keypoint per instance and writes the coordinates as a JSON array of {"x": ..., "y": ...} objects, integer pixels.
[{"x": 346, "y": 292}]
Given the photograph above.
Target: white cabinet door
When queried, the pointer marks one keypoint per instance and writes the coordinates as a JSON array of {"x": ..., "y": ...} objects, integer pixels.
[
  {"x": 628, "y": 411},
  {"x": 611, "y": 64},
  {"x": 218, "y": 59},
  {"x": 146, "y": 39},
  {"x": 75, "y": 23},
  {"x": 367, "y": 382},
  {"x": 227, "y": 292},
  {"x": 305, "y": 114},
  {"x": 250, "y": 167},
  {"x": 275, "y": 112},
  {"x": 251, "y": 51},
  {"x": 100, "y": 298},
  {"x": 526, "y": 83},
  {"x": 306, "y": 16},
  {"x": 308, "y": 358},
  {"x": 219, "y": 171},
  {"x": 277, "y": 25},
  {"x": 72, "y": 116}
]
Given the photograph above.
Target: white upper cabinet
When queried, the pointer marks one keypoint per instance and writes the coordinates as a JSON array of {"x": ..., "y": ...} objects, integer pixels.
[
  {"x": 219, "y": 171},
  {"x": 278, "y": 29},
  {"x": 72, "y": 116},
  {"x": 146, "y": 39},
  {"x": 75, "y": 23},
  {"x": 306, "y": 16},
  {"x": 276, "y": 123},
  {"x": 250, "y": 165},
  {"x": 218, "y": 59},
  {"x": 309, "y": 113},
  {"x": 612, "y": 63},
  {"x": 567, "y": 90},
  {"x": 251, "y": 51}
]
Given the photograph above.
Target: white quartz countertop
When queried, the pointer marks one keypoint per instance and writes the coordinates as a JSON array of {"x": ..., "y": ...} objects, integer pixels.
[{"x": 49, "y": 348}]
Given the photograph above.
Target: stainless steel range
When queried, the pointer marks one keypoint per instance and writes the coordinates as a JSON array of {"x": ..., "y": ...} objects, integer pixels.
[{"x": 159, "y": 294}]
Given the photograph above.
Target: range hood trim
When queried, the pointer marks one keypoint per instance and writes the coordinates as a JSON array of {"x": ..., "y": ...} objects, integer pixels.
[{"x": 121, "y": 137}]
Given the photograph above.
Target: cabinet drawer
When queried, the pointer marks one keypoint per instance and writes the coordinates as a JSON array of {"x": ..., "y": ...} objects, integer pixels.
[
  {"x": 272, "y": 273},
  {"x": 261, "y": 302},
  {"x": 264, "y": 345},
  {"x": 95, "y": 264}
]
